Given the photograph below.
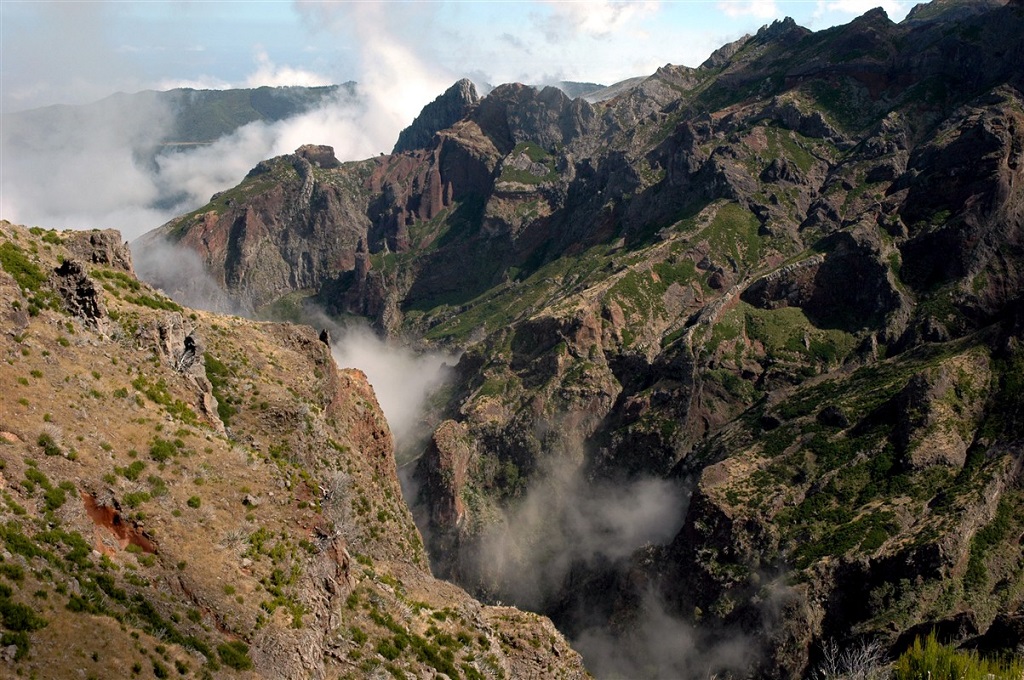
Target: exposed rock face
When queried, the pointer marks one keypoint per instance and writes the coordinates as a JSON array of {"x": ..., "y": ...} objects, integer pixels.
[
  {"x": 80, "y": 293},
  {"x": 103, "y": 247},
  {"x": 787, "y": 280},
  {"x": 319, "y": 155},
  {"x": 449, "y": 108},
  {"x": 294, "y": 236},
  {"x": 154, "y": 538},
  {"x": 939, "y": 410},
  {"x": 184, "y": 352}
]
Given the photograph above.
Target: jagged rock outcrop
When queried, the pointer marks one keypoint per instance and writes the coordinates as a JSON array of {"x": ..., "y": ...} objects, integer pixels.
[
  {"x": 138, "y": 533},
  {"x": 103, "y": 247},
  {"x": 184, "y": 352},
  {"x": 449, "y": 108},
  {"x": 319, "y": 155},
  {"x": 787, "y": 280},
  {"x": 80, "y": 293}
]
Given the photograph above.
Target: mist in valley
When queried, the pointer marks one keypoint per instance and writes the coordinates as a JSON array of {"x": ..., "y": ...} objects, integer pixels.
[
  {"x": 581, "y": 551},
  {"x": 102, "y": 166},
  {"x": 403, "y": 380},
  {"x": 106, "y": 170},
  {"x": 550, "y": 547}
]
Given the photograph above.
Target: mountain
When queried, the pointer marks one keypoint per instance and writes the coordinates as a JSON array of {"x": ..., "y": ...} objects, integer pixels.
[
  {"x": 576, "y": 89},
  {"x": 193, "y": 495},
  {"x": 191, "y": 116},
  {"x": 740, "y": 345}
]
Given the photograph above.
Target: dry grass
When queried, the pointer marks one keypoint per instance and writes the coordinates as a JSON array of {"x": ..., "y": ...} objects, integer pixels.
[{"x": 262, "y": 533}]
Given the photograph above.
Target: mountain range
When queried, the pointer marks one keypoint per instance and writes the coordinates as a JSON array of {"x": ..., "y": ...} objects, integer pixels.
[{"x": 739, "y": 374}]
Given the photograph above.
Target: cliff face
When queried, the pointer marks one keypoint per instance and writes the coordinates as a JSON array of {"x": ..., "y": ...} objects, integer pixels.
[
  {"x": 448, "y": 109},
  {"x": 776, "y": 294},
  {"x": 209, "y": 494}
]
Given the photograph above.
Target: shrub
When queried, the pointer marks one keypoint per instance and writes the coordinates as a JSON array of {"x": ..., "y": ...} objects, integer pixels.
[
  {"x": 162, "y": 450},
  {"x": 930, "y": 659},
  {"x": 48, "y": 444},
  {"x": 18, "y": 617},
  {"x": 135, "y": 498},
  {"x": 133, "y": 471},
  {"x": 388, "y": 650},
  {"x": 160, "y": 670},
  {"x": 235, "y": 655}
]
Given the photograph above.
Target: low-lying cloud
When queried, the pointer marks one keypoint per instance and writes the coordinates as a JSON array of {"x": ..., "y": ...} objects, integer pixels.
[
  {"x": 560, "y": 549},
  {"x": 659, "y": 645},
  {"x": 564, "y": 522},
  {"x": 102, "y": 167},
  {"x": 403, "y": 380},
  {"x": 181, "y": 275}
]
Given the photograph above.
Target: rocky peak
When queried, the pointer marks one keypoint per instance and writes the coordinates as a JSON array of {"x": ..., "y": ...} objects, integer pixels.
[
  {"x": 723, "y": 54},
  {"x": 450, "y": 107},
  {"x": 319, "y": 155},
  {"x": 954, "y": 10},
  {"x": 517, "y": 113},
  {"x": 782, "y": 31},
  {"x": 103, "y": 247}
]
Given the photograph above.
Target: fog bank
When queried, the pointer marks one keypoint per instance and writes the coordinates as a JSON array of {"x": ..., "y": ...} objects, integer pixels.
[{"x": 403, "y": 380}]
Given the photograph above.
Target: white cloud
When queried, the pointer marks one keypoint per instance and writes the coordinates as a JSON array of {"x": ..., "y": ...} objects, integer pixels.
[
  {"x": 54, "y": 182},
  {"x": 764, "y": 9},
  {"x": 395, "y": 81},
  {"x": 402, "y": 380},
  {"x": 896, "y": 9},
  {"x": 203, "y": 82},
  {"x": 599, "y": 18},
  {"x": 273, "y": 75}
]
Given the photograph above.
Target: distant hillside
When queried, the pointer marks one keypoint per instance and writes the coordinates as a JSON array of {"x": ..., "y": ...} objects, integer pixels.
[
  {"x": 189, "y": 116},
  {"x": 574, "y": 89}
]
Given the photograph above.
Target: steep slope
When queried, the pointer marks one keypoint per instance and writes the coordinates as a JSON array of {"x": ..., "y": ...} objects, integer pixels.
[
  {"x": 209, "y": 494},
  {"x": 765, "y": 310}
]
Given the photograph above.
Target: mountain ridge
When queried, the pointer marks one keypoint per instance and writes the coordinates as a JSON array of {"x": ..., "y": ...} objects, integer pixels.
[
  {"x": 210, "y": 494},
  {"x": 775, "y": 293}
]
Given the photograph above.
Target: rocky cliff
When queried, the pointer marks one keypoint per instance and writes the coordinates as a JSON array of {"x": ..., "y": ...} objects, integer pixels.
[
  {"x": 193, "y": 495},
  {"x": 766, "y": 309}
]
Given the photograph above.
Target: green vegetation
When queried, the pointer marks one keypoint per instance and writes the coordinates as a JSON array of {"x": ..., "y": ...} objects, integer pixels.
[
  {"x": 786, "y": 334},
  {"x": 49, "y": 446},
  {"x": 158, "y": 393},
  {"x": 789, "y": 144},
  {"x": 235, "y": 655},
  {"x": 161, "y": 450},
  {"x": 734, "y": 231},
  {"x": 29, "y": 276},
  {"x": 154, "y": 302},
  {"x": 218, "y": 373},
  {"x": 930, "y": 659},
  {"x": 536, "y": 155},
  {"x": 501, "y": 306},
  {"x": 840, "y": 102},
  {"x": 115, "y": 280},
  {"x": 16, "y": 263}
]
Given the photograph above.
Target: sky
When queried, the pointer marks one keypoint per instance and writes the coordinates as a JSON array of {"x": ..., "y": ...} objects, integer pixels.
[
  {"x": 80, "y": 51},
  {"x": 402, "y": 53}
]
